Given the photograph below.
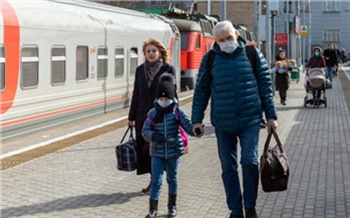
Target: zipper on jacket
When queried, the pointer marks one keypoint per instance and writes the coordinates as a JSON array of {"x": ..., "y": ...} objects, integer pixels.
[{"x": 165, "y": 137}]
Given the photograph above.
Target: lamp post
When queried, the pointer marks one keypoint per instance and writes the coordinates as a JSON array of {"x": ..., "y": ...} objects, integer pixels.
[
  {"x": 223, "y": 9},
  {"x": 208, "y": 7}
]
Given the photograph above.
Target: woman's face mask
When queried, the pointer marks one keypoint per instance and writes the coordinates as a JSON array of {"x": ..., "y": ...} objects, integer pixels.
[
  {"x": 165, "y": 103},
  {"x": 228, "y": 46},
  {"x": 317, "y": 53}
]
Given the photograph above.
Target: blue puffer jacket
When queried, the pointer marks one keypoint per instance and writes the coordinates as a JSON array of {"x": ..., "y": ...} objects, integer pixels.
[
  {"x": 169, "y": 128},
  {"x": 234, "y": 90}
]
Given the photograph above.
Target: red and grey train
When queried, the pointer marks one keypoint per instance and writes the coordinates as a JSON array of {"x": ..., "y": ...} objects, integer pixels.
[
  {"x": 196, "y": 40},
  {"x": 64, "y": 60}
]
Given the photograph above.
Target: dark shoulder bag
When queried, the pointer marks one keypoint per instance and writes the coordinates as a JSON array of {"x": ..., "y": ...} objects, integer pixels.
[{"x": 274, "y": 167}]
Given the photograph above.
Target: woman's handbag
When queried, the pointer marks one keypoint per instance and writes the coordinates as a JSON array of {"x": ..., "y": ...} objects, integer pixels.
[
  {"x": 126, "y": 153},
  {"x": 274, "y": 167}
]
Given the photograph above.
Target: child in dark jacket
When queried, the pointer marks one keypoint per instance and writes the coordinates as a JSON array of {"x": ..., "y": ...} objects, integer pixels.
[{"x": 161, "y": 130}]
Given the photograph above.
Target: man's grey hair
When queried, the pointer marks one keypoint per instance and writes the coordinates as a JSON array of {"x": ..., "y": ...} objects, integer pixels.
[{"x": 223, "y": 26}]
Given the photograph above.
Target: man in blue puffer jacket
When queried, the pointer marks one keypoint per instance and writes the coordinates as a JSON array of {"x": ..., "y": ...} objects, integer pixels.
[{"x": 238, "y": 97}]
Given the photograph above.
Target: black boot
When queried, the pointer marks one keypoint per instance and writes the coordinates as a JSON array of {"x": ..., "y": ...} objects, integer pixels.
[
  {"x": 171, "y": 205},
  {"x": 148, "y": 188},
  {"x": 153, "y": 207},
  {"x": 250, "y": 213}
]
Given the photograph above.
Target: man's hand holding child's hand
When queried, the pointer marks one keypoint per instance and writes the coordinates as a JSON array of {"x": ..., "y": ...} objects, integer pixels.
[{"x": 198, "y": 130}]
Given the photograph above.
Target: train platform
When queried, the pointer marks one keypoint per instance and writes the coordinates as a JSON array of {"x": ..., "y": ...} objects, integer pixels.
[{"x": 81, "y": 180}]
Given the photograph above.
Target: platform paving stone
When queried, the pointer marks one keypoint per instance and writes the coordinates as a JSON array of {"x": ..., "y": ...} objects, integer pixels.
[{"x": 82, "y": 180}]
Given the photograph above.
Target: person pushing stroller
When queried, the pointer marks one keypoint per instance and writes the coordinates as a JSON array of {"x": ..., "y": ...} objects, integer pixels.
[
  {"x": 316, "y": 61},
  {"x": 315, "y": 66}
]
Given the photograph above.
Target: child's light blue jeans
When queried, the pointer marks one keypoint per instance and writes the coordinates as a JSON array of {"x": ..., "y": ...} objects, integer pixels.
[{"x": 158, "y": 165}]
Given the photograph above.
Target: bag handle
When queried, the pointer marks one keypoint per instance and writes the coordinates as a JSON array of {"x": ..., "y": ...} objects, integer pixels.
[
  {"x": 131, "y": 135},
  {"x": 267, "y": 143}
]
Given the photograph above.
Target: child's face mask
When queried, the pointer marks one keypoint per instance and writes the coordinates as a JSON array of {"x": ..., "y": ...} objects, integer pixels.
[
  {"x": 165, "y": 103},
  {"x": 228, "y": 46},
  {"x": 317, "y": 53}
]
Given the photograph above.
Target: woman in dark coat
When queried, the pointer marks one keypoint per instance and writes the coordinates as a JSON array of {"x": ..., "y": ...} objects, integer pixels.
[
  {"x": 282, "y": 78},
  {"x": 316, "y": 60},
  {"x": 144, "y": 94}
]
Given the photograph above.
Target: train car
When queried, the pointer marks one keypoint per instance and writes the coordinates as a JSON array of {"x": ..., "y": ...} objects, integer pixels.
[
  {"x": 65, "y": 60},
  {"x": 196, "y": 40},
  {"x": 191, "y": 51},
  {"x": 246, "y": 35}
]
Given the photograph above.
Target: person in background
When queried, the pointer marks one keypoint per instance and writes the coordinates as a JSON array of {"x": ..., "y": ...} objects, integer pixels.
[
  {"x": 144, "y": 94},
  {"x": 343, "y": 56},
  {"x": 330, "y": 57},
  {"x": 282, "y": 76},
  {"x": 238, "y": 97},
  {"x": 316, "y": 60},
  {"x": 161, "y": 130},
  {"x": 335, "y": 71}
]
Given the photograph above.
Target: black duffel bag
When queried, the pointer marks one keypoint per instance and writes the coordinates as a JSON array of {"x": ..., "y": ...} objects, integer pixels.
[
  {"x": 127, "y": 153},
  {"x": 274, "y": 167}
]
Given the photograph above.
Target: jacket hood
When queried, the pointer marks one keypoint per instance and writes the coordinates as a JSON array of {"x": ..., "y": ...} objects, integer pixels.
[
  {"x": 241, "y": 45},
  {"x": 319, "y": 48}
]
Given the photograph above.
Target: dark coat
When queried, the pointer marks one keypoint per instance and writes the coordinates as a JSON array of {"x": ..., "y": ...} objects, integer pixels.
[
  {"x": 315, "y": 61},
  {"x": 173, "y": 147},
  {"x": 234, "y": 90},
  {"x": 142, "y": 101},
  {"x": 332, "y": 55},
  {"x": 342, "y": 56},
  {"x": 282, "y": 79}
]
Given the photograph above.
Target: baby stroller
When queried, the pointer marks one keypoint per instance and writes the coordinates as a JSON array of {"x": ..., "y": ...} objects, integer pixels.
[{"x": 315, "y": 84}]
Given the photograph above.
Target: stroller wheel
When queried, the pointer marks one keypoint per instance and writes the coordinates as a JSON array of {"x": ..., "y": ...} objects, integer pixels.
[{"x": 317, "y": 103}]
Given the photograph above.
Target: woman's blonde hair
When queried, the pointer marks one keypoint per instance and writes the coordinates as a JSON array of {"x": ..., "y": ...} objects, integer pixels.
[{"x": 162, "y": 49}]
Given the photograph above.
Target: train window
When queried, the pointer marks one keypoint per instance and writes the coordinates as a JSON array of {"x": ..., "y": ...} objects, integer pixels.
[
  {"x": 184, "y": 37},
  {"x": 29, "y": 67},
  {"x": 133, "y": 60},
  {"x": 119, "y": 62},
  {"x": 82, "y": 63},
  {"x": 58, "y": 65},
  {"x": 102, "y": 63},
  {"x": 198, "y": 42},
  {"x": 175, "y": 30},
  {"x": 2, "y": 68},
  {"x": 206, "y": 29}
]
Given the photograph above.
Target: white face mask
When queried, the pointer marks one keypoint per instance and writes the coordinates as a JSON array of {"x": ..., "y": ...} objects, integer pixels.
[
  {"x": 166, "y": 103},
  {"x": 228, "y": 46}
]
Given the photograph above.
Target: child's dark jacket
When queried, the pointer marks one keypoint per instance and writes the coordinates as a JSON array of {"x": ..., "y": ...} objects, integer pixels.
[{"x": 173, "y": 147}]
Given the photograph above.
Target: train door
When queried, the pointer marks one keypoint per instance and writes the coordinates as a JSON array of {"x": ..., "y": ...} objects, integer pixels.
[
  {"x": 132, "y": 63},
  {"x": 2, "y": 68}
]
